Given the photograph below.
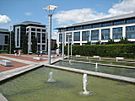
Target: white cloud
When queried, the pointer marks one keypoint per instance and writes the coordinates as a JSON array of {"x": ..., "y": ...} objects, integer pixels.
[
  {"x": 125, "y": 6},
  {"x": 87, "y": 14},
  {"x": 4, "y": 19},
  {"x": 28, "y": 13},
  {"x": 77, "y": 15}
]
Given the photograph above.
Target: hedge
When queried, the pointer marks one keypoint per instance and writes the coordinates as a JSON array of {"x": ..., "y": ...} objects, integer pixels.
[
  {"x": 3, "y": 51},
  {"x": 110, "y": 50}
]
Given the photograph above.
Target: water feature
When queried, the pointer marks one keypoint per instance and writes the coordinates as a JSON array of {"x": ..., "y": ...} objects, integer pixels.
[
  {"x": 31, "y": 86},
  {"x": 85, "y": 84},
  {"x": 50, "y": 78},
  {"x": 96, "y": 67},
  {"x": 128, "y": 72}
]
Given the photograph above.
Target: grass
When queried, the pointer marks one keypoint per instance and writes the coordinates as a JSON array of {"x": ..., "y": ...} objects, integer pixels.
[{"x": 33, "y": 87}]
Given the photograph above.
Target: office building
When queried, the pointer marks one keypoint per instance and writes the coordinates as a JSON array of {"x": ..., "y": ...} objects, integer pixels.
[
  {"x": 4, "y": 39},
  {"x": 101, "y": 30},
  {"x": 26, "y": 33}
]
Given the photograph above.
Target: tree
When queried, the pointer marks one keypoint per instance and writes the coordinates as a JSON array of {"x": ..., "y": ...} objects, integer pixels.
[
  {"x": 25, "y": 44},
  {"x": 124, "y": 41},
  {"x": 110, "y": 41},
  {"x": 34, "y": 44}
]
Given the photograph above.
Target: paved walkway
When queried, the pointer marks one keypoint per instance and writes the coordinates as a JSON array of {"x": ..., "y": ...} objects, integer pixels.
[{"x": 2, "y": 98}]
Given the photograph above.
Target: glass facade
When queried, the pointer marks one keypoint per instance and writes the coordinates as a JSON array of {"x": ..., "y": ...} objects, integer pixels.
[
  {"x": 18, "y": 36},
  {"x": 6, "y": 39},
  {"x": 117, "y": 33},
  {"x": 68, "y": 35},
  {"x": 38, "y": 37},
  {"x": 60, "y": 37},
  {"x": 130, "y": 32},
  {"x": 85, "y": 35},
  {"x": 94, "y": 34},
  {"x": 76, "y": 36},
  {"x": 43, "y": 37},
  {"x": 130, "y": 20},
  {"x": 105, "y": 34},
  {"x": 118, "y": 22}
]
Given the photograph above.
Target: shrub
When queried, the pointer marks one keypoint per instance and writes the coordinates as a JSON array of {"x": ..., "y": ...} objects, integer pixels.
[{"x": 109, "y": 50}]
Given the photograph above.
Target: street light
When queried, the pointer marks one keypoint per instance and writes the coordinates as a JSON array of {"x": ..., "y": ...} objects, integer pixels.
[
  {"x": 69, "y": 43},
  {"x": 50, "y": 9},
  {"x": 10, "y": 39}
]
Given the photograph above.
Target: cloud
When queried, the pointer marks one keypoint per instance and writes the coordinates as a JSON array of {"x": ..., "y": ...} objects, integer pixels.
[
  {"x": 4, "y": 19},
  {"x": 123, "y": 7},
  {"x": 87, "y": 14},
  {"x": 77, "y": 15},
  {"x": 28, "y": 13}
]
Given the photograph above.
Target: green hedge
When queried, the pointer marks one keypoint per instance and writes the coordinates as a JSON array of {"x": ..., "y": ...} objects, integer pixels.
[
  {"x": 3, "y": 51},
  {"x": 111, "y": 50}
]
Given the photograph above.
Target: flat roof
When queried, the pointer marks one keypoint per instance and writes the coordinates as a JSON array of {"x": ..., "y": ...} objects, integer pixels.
[
  {"x": 4, "y": 30},
  {"x": 118, "y": 17},
  {"x": 30, "y": 23}
]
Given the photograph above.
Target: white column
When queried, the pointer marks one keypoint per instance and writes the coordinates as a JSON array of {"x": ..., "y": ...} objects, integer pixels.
[
  {"x": 63, "y": 44},
  {"x": 124, "y": 32},
  {"x": 40, "y": 40},
  {"x": 90, "y": 36},
  {"x": 80, "y": 37},
  {"x": 65, "y": 38},
  {"x": 72, "y": 37},
  {"x": 111, "y": 33},
  {"x": 100, "y": 35},
  {"x": 29, "y": 41}
]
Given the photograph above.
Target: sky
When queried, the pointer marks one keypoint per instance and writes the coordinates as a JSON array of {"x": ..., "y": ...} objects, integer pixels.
[{"x": 68, "y": 11}]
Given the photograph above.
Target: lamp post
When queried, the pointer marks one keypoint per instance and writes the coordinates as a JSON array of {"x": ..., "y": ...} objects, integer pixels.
[
  {"x": 68, "y": 43},
  {"x": 10, "y": 39},
  {"x": 63, "y": 43},
  {"x": 50, "y": 9}
]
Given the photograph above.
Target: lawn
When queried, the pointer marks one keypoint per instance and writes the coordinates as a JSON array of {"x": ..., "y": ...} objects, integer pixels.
[{"x": 33, "y": 86}]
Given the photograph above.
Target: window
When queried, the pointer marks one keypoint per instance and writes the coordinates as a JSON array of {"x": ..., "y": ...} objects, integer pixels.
[
  {"x": 70, "y": 29},
  {"x": 60, "y": 37},
  {"x": 43, "y": 30},
  {"x": 85, "y": 35},
  {"x": 32, "y": 29},
  {"x": 43, "y": 47},
  {"x": 6, "y": 39},
  {"x": 38, "y": 47},
  {"x": 0, "y": 47},
  {"x": 86, "y": 26},
  {"x": 43, "y": 38},
  {"x": 78, "y": 27},
  {"x": 18, "y": 36},
  {"x": 117, "y": 33},
  {"x": 38, "y": 37},
  {"x": 38, "y": 30},
  {"x": 68, "y": 35},
  {"x": 94, "y": 34},
  {"x": 96, "y": 25},
  {"x": 131, "y": 20},
  {"x": 118, "y": 22},
  {"x": 105, "y": 34},
  {"x": 76, "y": 36},
  {"x": 130, "y": 32},
  {"x": 107, "y": 24}
]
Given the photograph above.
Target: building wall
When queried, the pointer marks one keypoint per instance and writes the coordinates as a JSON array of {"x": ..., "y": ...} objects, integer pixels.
[
  {"x": 4, "y": 40},
  {"x": 31, "y": 30},
  {"x": 93, "y": 31}
]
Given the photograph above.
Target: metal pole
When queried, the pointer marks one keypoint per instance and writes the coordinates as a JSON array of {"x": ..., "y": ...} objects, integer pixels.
[
  {"x": 63, "y": 37},
  {"x": 68, "y": 46},
  {"x": 71, "y": 46},
  {"x": 10, "y": 38},
  {"x": 49, "y": 38}
]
